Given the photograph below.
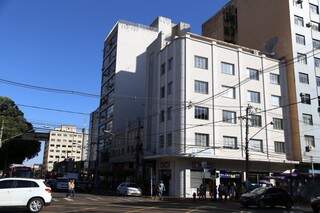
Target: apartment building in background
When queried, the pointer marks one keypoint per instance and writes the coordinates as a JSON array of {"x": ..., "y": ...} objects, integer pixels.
[
  {"x": 65, "y": 142},
  {"x": 288, "y": 30},
  {"x": 200, "y": 88},
  {"x": 93, "y": 139}
]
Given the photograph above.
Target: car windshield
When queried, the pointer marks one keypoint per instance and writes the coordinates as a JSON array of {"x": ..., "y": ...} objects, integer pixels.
[
  {"x": 132, "y": 185},
  {"x": 259, "y": 191}
]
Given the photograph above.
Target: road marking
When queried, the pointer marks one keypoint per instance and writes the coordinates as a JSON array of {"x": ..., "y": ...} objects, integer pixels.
[
  {"x": 68, "y": 199},
  {"x": 92, "y": 199},
  {"x": 55, "y": 199},
  {"x": 140, "y": 210}
]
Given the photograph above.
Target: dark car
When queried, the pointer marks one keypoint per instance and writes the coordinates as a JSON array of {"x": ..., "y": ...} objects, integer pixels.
[
  {"x": 315, "y": 204},
  {"x": 264, "y": 196}
]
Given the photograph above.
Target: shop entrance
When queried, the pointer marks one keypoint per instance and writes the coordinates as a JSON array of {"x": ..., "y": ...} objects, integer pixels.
[{"x": 165, "y": 176}]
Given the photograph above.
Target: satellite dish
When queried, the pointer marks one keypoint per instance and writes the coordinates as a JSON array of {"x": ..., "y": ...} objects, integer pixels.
[{"x": 270, "y": 46}]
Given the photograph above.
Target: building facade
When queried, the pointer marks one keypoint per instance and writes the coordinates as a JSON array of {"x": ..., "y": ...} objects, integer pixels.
[
  {"x": 289, "y": 30},
  {"x": 195, "y": 121},
  {"x": 93, "y": 138},
  {"x": 64, "y": 142}
]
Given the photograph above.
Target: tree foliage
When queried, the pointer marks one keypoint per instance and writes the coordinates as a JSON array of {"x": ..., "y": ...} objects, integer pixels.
[{"x": 14, "y": 149}]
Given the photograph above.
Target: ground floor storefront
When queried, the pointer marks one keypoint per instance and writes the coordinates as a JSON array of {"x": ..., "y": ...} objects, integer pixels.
[{"x": 184, "y": 176}]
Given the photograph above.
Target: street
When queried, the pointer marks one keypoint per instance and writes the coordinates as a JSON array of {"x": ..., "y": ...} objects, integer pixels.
[{"x": 94, "y": 204}]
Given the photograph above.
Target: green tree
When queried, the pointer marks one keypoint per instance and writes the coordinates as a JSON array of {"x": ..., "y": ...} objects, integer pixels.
[{"x": 14, "y": 149}]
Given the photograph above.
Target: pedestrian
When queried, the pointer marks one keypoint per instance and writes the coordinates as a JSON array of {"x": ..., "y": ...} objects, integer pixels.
[
  {"x": 220, "y": 191},
  {"x": 161, "y": 189},
  {"x": 71, "y": 188},
  {"x": 155, "y": 191},
  {"x": 232, "y": 191}
]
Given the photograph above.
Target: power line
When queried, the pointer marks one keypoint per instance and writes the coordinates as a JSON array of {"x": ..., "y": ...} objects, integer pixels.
[{"x": 53, "y": 109}]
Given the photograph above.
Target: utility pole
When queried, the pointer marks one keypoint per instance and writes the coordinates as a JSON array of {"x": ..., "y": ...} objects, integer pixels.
[
  {"x": 247, "y": 141},
  {"x": 312, "y": 167},
  {"x": 1, "y": 132}
]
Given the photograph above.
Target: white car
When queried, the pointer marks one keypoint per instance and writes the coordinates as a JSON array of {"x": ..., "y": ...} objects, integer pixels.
[
  {"x": 129, "y": 189},
  {"x": 24, "y": 192}
]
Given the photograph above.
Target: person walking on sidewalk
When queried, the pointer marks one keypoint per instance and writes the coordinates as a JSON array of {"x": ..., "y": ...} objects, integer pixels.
[
  {"x": 71, "y": 187},
  {"x": 161, "y": 189}
]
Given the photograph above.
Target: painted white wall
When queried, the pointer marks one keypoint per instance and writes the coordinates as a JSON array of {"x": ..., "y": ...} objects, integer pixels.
[{"x": 310, "y": 88}]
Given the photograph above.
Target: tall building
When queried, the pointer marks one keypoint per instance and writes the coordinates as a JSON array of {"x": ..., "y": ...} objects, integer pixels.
[
  {"x": 64, "y": 142},
  {"x": 286, "y": 29},
  {"x": 93, "y": 138},
  {"x": 194, "y": 122},
  {"x": 123, "y": 78}
]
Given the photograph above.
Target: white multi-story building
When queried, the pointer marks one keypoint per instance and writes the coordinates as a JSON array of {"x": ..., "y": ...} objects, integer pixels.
[
  {"x": 287, "y": 29},
  {"x": 64, "y": 142},
  {"x": 200, "y": 88}
]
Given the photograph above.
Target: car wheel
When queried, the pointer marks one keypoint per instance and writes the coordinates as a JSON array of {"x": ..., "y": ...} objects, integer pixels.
[
  {"x": 289, "y": 205},
  {"x": 35, "y": 205},
  {"x": 261, "y": 204}
]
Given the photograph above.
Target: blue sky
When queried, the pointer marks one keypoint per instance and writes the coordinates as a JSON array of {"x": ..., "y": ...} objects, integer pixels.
[{"x": 58, "y": 43}]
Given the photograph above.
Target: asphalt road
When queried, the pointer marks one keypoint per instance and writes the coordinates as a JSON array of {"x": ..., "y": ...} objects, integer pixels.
[{"x": 98, "y": 204}]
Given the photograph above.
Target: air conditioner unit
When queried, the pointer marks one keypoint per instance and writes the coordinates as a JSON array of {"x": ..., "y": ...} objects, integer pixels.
[
  {"x": 309, "y": 148},
  {"x": 299, "y": 1},
  {"x": 308, "y": 25}
]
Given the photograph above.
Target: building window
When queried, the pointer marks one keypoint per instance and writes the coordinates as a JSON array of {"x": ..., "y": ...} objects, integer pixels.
[
  {"x": 170, "y": 64},
  {"x": 201, "y": 113},
  {"x": 229, "y": 117},
  {"x": 314, "y": 9},
  {"x": 278, "y": 123},
  {"x": 201, "y": 62},
  {"x": 169, "y": 139},
  {"x": 201, "y": 87},
  {"x": 316, "y": 44},
  {"x": 162, "y": 92},
  {"x": 227, "y": 68},
  {"x": 318, "y": 81},
  {"x": 274, "y": 79},
  {"x": 230, "y": 142},
  {"x": 161, "y": 141},
  {"x": 315, "y": 26},
  {"x": 300, "y": 39},
  {"x": 162, "y": 116},
  {"x": 254, "y": 96},
  {"x": 279, "y": 147},
  {"x": 169, "y": 113},
  {"x": 298, "y": 21},
  {"x": 302, "y": 58},
  {"x": 169, "y": 90},
  {"x": 305, "y": 98},
  {"x": 201, "y": 139},
  {"x": 275, "y": 100},
  {"x": 317, "y": 63},
  {"x": 303, "y": 78},
  {"x": 256, "y": 121},
  {"x": 229, "y": 92},
  {"x": 253, "y": 74},
  {"x": 163, "y": 68},
  {"x": 307, "y": 119},
  {"x": 309, "y": 139},
  {"x": 256, "y": 145}
]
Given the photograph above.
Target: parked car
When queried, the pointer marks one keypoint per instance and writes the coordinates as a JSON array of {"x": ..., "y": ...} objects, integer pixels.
[
  {"x": 22, "y": 192},
  {"x": 265, "y": 196},
  {"x": 62, "y": 184},
  {"x": 315, "y": 204},
  {"x": 52, "y": 183},
  {"x": 129, "y": 189}
]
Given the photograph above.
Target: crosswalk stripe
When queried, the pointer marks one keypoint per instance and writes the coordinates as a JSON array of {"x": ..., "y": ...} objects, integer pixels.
[
  {"x": 92, "y": 199},
  {"x": 55, "y": 200},
  {"x": 67, "y": 199}
]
